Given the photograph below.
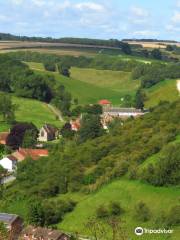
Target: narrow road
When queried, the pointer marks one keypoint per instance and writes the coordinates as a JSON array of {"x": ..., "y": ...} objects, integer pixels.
[{"x": 56, "y": 112}]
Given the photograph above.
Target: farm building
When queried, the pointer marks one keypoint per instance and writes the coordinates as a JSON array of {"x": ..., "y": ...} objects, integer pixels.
[
  {"x": 13, "y": 223},
  {"x": 122, "y": 112},
  {"x": 9, "y": 163},
  {"x": 48, "y": 133},
  {"x": 111, "y": 113},
  {"x": 42, "y": 233}
]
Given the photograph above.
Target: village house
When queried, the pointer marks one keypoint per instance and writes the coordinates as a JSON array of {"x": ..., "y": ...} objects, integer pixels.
[
  {"x": 13, "y": 223},
  {"x": 3, "y": 137},
  {"x": 9, "y": 163},
  {"x": 48, "y": 133},
  {"x": 39, "y": 233}
]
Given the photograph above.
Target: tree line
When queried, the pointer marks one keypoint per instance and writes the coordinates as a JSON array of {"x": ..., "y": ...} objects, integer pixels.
[{"x": 18, "y": 79}]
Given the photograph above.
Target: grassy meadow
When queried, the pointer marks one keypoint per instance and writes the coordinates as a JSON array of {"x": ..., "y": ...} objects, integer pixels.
[
  {"x": 90, "y": 85},
  {"x": 127, "y": 193},
  {"x": 34, "y": 111},
  {"x": 116, "y": 80},
  {"x": 163, "y": 91},
  {"x": 29, "y": 110}
]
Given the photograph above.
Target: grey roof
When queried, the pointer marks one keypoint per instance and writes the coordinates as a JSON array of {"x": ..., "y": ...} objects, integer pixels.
[
  {"x": 8, "y": 218},
  {"x": 122, "y": 110}
]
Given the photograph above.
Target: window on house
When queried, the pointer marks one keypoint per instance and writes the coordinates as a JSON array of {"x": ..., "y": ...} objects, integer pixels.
[{"x": 42, "y": 134}]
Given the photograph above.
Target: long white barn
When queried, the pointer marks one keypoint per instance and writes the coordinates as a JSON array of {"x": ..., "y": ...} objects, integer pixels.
[{"x": 122, "y": 112}]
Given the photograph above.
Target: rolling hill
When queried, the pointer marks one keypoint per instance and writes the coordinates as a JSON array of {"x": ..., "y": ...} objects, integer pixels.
[
  {"x": 116, "y": 80},
  {"x": 34, "y": 111},
  {"x": 127, "y": 193},
  {"x": 163, "y": 91},
  {"x": 90, "y": 85}
]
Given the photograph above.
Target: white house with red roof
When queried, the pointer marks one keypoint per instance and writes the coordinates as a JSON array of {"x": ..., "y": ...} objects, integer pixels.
[{"x": 10, "y": 162}]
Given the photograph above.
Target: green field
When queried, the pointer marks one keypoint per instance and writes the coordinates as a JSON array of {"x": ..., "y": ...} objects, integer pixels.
[
  {"x": 35, "y": 66},
  {"x": 163, "y": 91},
  {"x": 116, "y": 80},
  {"x": 3, "y": 127},
  {"x": 127, "y": 193},
  {"x": 90, "y": 85},
  {"x": 29, "y": 110},
  {"x": 34, "y": 111}
]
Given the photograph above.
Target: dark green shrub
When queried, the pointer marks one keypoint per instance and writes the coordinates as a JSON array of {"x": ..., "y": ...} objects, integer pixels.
[
  {"x": 173, "y": 217},
  {"x": 102, "y": 212},
  {"x": 115, "y": 209},
  {"x": 142, "y": 212}
]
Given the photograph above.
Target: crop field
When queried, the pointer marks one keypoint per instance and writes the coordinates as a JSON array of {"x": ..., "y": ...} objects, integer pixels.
[
  {"x": 163, "y": 91},
  {"x": 153, "y": 44},
  {"x": 56, "y": 48},
  {"x": 127, "y": 193}
]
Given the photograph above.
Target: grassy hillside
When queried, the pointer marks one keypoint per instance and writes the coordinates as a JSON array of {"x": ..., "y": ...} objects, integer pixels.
[
  {"x": 116, "y": 80},
  {"x": 163, "y": 91},
  {"x": 89, "y": 85},
  {"x": 35, "y": 66},
  {"x": 34, "y": 111},
  {"x": 154, "y": 158},
  {"x": 3, "y": 127},
  {"x": 29, "y": 110},
  {"x": 127, "y": 193}
]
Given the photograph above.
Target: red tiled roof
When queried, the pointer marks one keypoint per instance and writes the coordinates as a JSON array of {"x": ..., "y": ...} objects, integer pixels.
[
  {"x": 104, "y": 102},
  {"x": 23, "y": 153}
]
